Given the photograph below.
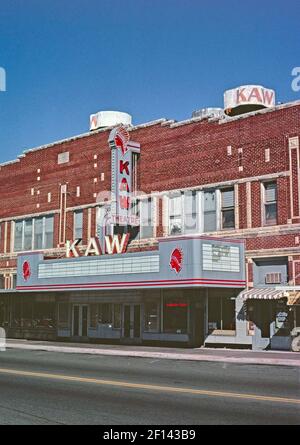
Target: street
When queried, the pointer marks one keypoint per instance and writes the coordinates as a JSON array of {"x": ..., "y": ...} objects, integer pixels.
[{"x": 40, "y": 387}]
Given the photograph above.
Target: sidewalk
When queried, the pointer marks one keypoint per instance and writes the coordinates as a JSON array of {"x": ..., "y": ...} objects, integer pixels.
[{"x": 279, "y": 358}]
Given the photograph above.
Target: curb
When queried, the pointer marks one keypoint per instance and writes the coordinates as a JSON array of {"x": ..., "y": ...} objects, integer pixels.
[{"x": 157, "y": 355}]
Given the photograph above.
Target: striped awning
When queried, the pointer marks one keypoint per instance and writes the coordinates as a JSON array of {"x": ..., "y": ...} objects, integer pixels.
[
  {"x": 263, "y": 294},
  {"x": 293, "y": 298}
]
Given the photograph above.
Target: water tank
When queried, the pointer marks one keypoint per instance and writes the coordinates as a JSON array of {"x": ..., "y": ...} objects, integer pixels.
[
  {"x": 206, "y": 113},
  {"x": 109, "y": 119},
  {"x": 247, "y": 98}
]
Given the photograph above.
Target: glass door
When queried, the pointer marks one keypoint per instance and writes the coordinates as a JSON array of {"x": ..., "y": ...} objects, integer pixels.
[
  {"x": 80, "y": 320},
  {"x": 132, "y": 322}
]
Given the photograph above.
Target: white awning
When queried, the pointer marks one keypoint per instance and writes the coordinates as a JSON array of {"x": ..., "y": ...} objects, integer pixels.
[{"x": 263, "y": 294}]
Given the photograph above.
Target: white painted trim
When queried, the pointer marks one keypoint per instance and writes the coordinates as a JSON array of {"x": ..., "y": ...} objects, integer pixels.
[
  {"x": 249, "y": 204},
  {"x": 236, "y": 207},
  {"x": 291, "y": 148}
]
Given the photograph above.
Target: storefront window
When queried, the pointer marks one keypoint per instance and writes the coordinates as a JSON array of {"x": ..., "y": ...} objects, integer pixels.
[
  {"x": 27, "y": 315},
  {"x": 16, "y": 314},
  {"x": 175, "y": 316},
  {"x": 4, "y": 313},
  {"x": 105, "y": 313},
  {"x": 117, "y": 316},
  {"x": 44, "y": 315},
  {"x": 151, "y": 311},
  {"x": 100, "y": 314},
  {"x": 63, "y": 315},
  {"x": 93, "y": 315},
  {"x": 221, "y": 313}
]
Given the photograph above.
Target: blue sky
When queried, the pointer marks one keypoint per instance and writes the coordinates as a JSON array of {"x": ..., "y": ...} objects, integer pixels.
[{"x": 66, "y": 59}]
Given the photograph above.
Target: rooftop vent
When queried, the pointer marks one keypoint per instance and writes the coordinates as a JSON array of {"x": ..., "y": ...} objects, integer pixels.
[
  {"x": 104, "y": 119},
  {"x": 206, "y": 113}
]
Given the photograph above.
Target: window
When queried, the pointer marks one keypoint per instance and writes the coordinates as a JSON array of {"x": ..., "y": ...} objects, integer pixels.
[
  {"x": 105, "y": 313},
  {"x": 18, "y": 235},
  {"x": 143, "y": 209},
  {"x": 117, "y": 316},
  {"x": 190, "y": 212},
  {"x": 273, "y": 278},
  {"x": 210, "y": 214},
  {"x": 63, "y": 315},
  {"x": 270, "y": 203},
  {"x": 151, "y": 316},
  {"x": 103, "y": 221},
  {"x": 175, "y": 215},
  {"x": 78, "y": 224},
  {"x": 38, "y": 233},
  {"x": 28, "y": 234},
  {"x": 227, "y": 209},
  {"x": 183, "y": 213},
  {"x": 93, "y": 315},
  {"x": 221, "y": 313},
  {"x": 48, "y": 232},
  {"x": 44, "y": 315},
  {"x": 175, "y": 315},
  {"x": 34, "y": 233},
  {"x": 146, "y": 219}
]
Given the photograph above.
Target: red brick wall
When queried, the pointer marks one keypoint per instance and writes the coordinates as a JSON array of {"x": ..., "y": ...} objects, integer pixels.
[{"x": 185, "y": 156}]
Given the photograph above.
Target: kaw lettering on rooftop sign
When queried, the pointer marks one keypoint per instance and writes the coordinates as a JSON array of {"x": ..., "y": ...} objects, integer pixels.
[{"x": 122, "y": 150}]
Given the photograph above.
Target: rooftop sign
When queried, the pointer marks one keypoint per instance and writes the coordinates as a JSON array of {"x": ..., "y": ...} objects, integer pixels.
[{"x": 248, "y": 98}]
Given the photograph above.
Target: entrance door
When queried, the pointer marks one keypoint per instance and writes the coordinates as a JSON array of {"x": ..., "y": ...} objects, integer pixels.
[
  {"x": 132, "y": 322},
  {"x": 80, "y": 320}
]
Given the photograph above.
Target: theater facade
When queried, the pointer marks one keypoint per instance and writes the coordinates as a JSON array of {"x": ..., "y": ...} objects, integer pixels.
[
  {"x": 158, "y": 296},
  {"x": 179, "y": 233}
]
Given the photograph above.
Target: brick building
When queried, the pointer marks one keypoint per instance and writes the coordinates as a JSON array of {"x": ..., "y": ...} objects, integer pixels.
[{"x": 229, "y": 177}]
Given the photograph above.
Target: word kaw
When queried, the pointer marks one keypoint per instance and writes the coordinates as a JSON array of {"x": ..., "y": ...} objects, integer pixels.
[{"x": 112, "y": 244}]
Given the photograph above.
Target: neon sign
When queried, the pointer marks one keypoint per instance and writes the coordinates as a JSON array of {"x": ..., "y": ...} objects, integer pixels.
[
  {"x": 121, "y": 175},
  {"x": 112, "y": 245}
]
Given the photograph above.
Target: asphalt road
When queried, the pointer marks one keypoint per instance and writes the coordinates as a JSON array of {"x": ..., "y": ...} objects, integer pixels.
[{"x": 56, "y": 388}]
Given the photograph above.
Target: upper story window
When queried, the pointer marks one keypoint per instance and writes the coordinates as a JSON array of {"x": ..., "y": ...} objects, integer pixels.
[
  {"x": 146, "y": 218},
  {"x": 270, "y": 203},
  {"x": 175, "y": 215},
  {"x": 144, "y": 210},
  {"x": 183, "y": 213},
  {"x": 227, "y": 208},
  {"x": 195, "y": 211},
  {"x": 210, "y": 211},
  {"x": 34, "y": 233},
  {"x": 78, "y": 224}
]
